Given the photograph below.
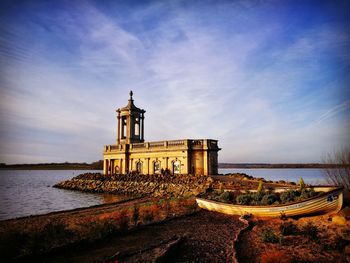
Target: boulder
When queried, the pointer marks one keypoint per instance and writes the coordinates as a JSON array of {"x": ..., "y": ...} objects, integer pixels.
[{"x": 339, "y": 220}]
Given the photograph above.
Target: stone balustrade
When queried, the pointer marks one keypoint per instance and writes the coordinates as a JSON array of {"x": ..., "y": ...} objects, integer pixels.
[{"x": 211, "y": 144}]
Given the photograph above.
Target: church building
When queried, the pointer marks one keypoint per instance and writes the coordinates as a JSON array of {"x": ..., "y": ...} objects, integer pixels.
[{"x": 132, "y": 153}]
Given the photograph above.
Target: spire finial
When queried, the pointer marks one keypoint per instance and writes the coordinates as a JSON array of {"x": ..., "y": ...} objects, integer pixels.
[{"x": 131, "y": 93}]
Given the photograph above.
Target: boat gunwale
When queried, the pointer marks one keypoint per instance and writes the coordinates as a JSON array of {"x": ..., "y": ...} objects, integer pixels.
[{"x": 279, "y": 205}]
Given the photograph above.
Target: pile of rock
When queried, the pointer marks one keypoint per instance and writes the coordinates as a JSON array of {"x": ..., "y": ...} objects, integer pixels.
[{"x": 139, "y": 185}]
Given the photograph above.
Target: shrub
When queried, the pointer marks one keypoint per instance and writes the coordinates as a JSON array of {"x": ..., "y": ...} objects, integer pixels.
[
  {"x": 148, "y": 217},
  {"x": 226, "y": 197},
  {"x": 148, "y": 214},
  {"x": 56, "y": 229},
  {"x": 167, "y": 209},
  {"x": 283, "y": 216},
  {"x": 308, "y": 193},
  {"x": 256, "y": 197},
  {"x": 246, "y": 216},
  {"x": 243, "y": 199},
  {"x": 268, "y": 199},
  {"x": 260, "y": 187},
  {"x": 135, "y": 215},
  {"x": 288, "y": 196},
  {"x": 301, "y": 184},
  {"x": 53, "y": 234},
  {"x": 268, "y": 236},
  {"x": 221, "y": 187},
  {"x": 288, "y": 228},
  {"x": 101, "y": 229},
  {"x": 310, "y": 230},
  {"x": 122, "y": 219}
]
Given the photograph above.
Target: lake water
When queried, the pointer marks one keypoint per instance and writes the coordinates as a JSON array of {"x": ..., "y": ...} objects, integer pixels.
[
  {"x": 310, "y": 176},
  {"x": 24, "y": 193}
]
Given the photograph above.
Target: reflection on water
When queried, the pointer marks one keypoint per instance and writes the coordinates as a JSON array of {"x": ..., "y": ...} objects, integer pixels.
[
  {"x": 24, "y": 193},
  {"x": 310, "y": 176}
]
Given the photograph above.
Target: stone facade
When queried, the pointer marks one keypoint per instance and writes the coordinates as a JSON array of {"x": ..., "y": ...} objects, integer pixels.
[{"x": 132, "y": 153}]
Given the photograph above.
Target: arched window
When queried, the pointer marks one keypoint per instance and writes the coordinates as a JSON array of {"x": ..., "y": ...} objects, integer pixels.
[
  {"x": 137, "y": 127},
  {"x": 176, "y": 167},
  {"x": 124, "y": 125},
  {"x": 139, "y": 167},
  {"x": 156, "y": 167}
]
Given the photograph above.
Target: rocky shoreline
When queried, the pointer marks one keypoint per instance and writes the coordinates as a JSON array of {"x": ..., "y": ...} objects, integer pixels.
[{"x": 139, "y": 185}]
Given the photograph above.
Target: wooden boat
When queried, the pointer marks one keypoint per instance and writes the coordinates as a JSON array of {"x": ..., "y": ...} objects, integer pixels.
[{"x": 330, "y": 201}]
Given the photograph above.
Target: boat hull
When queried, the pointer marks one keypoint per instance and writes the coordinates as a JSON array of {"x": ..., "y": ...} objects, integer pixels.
[{"x": 329, "y": 202}]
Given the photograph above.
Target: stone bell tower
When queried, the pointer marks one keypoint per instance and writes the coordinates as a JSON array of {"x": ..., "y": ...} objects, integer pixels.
[{"x": 130, "y": 123}]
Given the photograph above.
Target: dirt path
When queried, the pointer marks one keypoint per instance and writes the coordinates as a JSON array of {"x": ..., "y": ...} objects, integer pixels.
[{"x": 208, "y": 238}]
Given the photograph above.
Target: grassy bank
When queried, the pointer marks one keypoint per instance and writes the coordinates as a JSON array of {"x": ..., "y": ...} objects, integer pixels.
[{"x": 33, "y": 236}]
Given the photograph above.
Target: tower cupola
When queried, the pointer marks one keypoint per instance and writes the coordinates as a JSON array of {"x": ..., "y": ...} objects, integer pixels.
[{"x": 130, "y": 123}]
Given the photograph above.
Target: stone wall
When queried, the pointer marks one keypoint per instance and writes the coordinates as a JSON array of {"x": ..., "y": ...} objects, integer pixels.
[{"x": 139, "y": 185}]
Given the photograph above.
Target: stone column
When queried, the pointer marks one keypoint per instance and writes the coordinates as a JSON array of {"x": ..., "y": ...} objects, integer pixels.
[
  {"x": 147, "y": 165},
  {"x": 105, "y": 166},
  {"x": 118, "y": 132},
  {"x": 205, "y": 157},
  {"x": 142, "y": 121},
  {"x": 128, "y": 128},
  {"x": 139, "y": 129}
]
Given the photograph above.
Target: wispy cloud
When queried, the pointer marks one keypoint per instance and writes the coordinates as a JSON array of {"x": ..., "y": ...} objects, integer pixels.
[
  {"x": 333, "y": 111},
  {"x": 250, "y": 75}
]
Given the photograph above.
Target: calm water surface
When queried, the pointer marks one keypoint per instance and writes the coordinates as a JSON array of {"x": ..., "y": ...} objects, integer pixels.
[
  {"x": 310, "y": 176},
  {"x": 24, "y": 193}
]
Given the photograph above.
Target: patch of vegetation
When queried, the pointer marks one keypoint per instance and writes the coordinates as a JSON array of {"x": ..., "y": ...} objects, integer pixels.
[
  {"x": 226, "y": 197},
  {"x": 246, "y": 216},
  {"x": 260, "y": 187},
  {"x": 122, "y": 220},
  {"x": 297, "y": 195},
  {"x": 269, "y": 236},
  {"x": 244, "y": 199},
  {"x": 135, "y": 215},
  {"x": 148, "y": 217},
  {"x": 262, "y": 197},
  {"x": 283, "y": 216},
  {"x": 100, "y": 229},
  {"x": 301, "y": 184},
  {"x": 310, "y": 230},
  {"x": 289, "y": 228},
  {"x": 289, "y": 196},
  {"x": 269, "y": 199},
  {"x": 15, "y": 243}
]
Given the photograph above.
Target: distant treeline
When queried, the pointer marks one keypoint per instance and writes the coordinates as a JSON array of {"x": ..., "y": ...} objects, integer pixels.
[
  {"x": 276, "y": 165},
  {"x": 99, "y": 166},
  {"x": 54, "y": 166}
]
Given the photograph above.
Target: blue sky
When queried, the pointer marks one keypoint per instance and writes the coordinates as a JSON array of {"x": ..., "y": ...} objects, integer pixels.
[{"x": 268, "y": 79}]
